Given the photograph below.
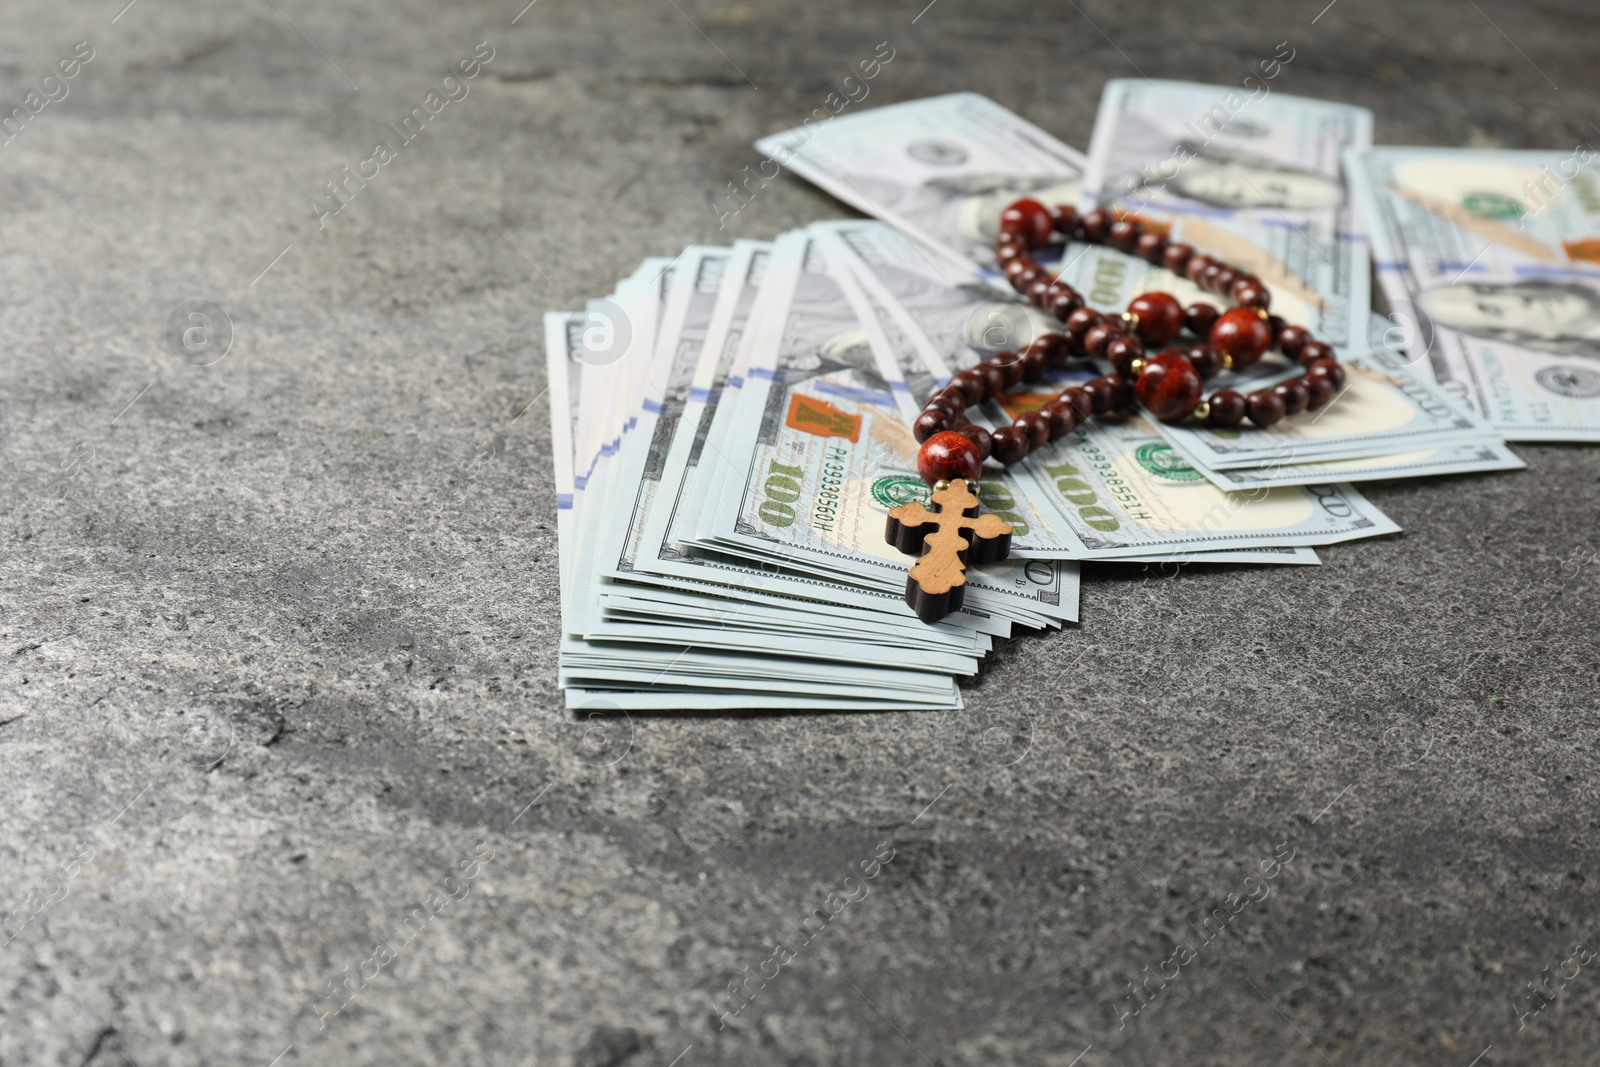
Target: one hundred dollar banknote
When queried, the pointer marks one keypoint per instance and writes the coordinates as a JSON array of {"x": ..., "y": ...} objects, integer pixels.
[
  {"x": 1490, "y": 265},
  {"x": 940, "y": 169}
]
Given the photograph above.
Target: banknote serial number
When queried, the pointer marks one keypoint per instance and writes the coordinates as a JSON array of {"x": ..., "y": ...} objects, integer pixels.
[{"x": 825, "y": 512}]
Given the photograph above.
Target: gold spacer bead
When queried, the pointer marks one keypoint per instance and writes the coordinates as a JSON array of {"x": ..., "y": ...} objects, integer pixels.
[
  {"x": 1132, "y": 319},
  {"x": 941, "y": 485},
  {"x": 1227, "y": 361},
  {"x": 1263, "y": 313},
  {"x": 1202, "y": 410},
  {"x": 1136, "y": 367}
]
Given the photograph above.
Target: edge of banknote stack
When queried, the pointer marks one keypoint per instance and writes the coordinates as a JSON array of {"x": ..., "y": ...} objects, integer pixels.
[{"x": 732, "y": 426}]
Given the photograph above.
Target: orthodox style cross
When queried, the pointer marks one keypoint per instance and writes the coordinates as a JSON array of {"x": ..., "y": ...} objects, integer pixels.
[{"x": 948, "y": 538}]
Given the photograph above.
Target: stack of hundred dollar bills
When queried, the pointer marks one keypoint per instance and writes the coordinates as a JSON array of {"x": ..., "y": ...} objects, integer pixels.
[{"x": 732, "y": 425}]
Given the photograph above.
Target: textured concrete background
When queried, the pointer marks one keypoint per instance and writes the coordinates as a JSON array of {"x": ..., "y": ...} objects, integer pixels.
[{"x": 278, "y": 633}]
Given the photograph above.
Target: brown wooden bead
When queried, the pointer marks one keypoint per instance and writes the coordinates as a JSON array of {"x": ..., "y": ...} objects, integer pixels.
[
  {"x": 979, "y": 438},
  {"x": 1207, "y": 359},
  {"x": 1080, "y": 399},
  {"x": 948, "y": 455},
  {"x": 1225, "y": 278},
  {"x": 1228, "y": 409},
  {"x": 1010, "y": 366},
  {"x": 1170, "y": 387},
  {"x": 1121, "y": 393},
  {"x": 1063, "y": 418},
  {"x": 972, "y": 386},
  {"x": 1152, "y": 247},
  {"x": 1005, "y": 251},
  {"x": 1079, "y": 322},
  {"x": 1290, "y": 338},
  {"x": 1053, "y": 346},
  {"x": 1196, "y": 267},
  {"x": 1208, "y": 277},
  {"x": 1030, "y": 220},
  {"x": 1294, "y": 395},
  {"x": 1122, "y": 351},
  {"x": 1249, "y": 293},
  {"x": 1067, "y": 220},
  {"x": 1010, "y": 444},
  {"x": 1160, "y": 317},
  {"x": 1244, "y": 334},
  {"x": 1265, "y": 407},
  {"x": 1100, "y": 391},
  {"x": 1036, "y": 426},
  {"x": 1064, "y": 300},
  {"x": 994, "y": 380},
  {"x": 1034, "y": 363},
  {"x": 1312, "y": 351},
  {"x": 1176, "y": 258},
  {"x": 1096, "y": 226},
  {"x": 1038, "y": 290},
  {"x": 1200, "y": 317},
  {"x": 1100, "y": 335},
  {"x": 1329, "y": 369},
  {"x": 1319, "y": 390},
  {"x": 951, "y": 402},
  {"x": 931, "y": 421},
  {"x": 1022, "y": 271},
  {"x": 1124, "y": 235}
]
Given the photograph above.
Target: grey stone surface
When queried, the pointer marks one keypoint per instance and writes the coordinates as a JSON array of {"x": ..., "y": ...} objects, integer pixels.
[{"x": 281, "y": 631}]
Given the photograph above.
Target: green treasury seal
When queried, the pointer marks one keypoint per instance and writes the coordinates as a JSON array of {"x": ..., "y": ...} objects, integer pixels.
[
  {"x": 1159, "y": 459},
  {"x": 896, "y": 489}
]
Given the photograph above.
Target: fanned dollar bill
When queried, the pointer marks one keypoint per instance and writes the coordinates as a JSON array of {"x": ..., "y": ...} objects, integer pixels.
[
  {"x": 941, "y": 169},
  {"x": 1250, "y": 176},
  {"x": 1490, "y": 265}
]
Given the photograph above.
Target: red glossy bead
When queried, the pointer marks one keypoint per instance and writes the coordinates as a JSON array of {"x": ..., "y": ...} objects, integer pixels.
[
  {"x": 1290, "y": 338},
  {"x": 930, "y": 422},
  {"x": 1250, "y": 293},
  {"x": 1053, "y": 346},
  {"x": 949, "y": 455},
  {"x": 1010, "y": 444},
  {"x": 1200, "y": 318},
  {"x": 1081, "y": 400},
  {"x": 1226, "y": 276},
  {"x": 1064, "y": 300},
  {"x": 1197, "y": 265},
  {"x": 1319, "y": 390},
  {"x": 971, "y": 385},
  {"x": 1293, "y": 394},
  {"x": 1063, "y": 417},
  {"x": 1009, "y": 364},
  {"x": 1207, "y": 359},
  {"x": 1329, "y": 369},
  {"x": 1038, "y": 290},
  {"x": 1067, "y": 220},
  {"x": 1208, "y": 277},
  {"x": 1170, "y": 387},
  {"x": 1160, "y": 317},
  {"x": 979, "y": 438},
  {"x": 1312, "y": 351},
  {"x": 1034, "y": 363},
  {"x": 1244, "y": 335},
  {"x": 1036, "y": 426},
  {"x": 1030, "y": 220},
  {"x": 1122, "y": 351},
  {"x": 1152, "y": 247},
  {"x": 1176, "y": 258},
  {"x": 1228, "y": 409},
  {"x": 1265, "y": 407},
  {"x": 1124, "y": 235},
  {"x": 1079, "y": 321},
  {"x": 1096, "y": 226},
  {"x": 1121, "y": 393}
]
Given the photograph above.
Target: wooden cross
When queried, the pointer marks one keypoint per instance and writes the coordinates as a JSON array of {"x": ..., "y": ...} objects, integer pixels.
[{"x": 937, "y": 582}]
